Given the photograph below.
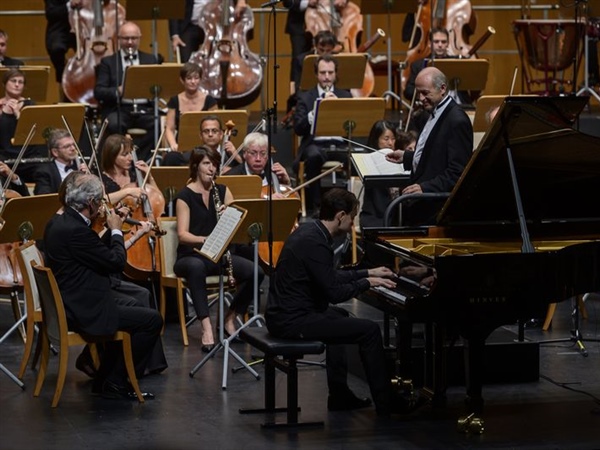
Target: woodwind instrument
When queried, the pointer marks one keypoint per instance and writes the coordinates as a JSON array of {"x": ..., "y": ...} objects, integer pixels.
[{"x": 218, "y": 208}]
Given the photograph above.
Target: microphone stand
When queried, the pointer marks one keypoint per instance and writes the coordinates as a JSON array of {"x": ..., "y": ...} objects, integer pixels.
[{"x": 120, "y": 68}]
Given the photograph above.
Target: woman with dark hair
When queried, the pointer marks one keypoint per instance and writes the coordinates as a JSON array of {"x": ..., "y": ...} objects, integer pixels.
[
  {"x": 190, "y": 99},
  {"x": 376, "y": 199},
  {"x": 197, "y": 216}
]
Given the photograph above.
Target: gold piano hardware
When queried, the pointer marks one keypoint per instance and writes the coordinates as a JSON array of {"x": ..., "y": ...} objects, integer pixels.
[
  {"x": 486, "y": 300},
  {"x": 470, "y": 424}
]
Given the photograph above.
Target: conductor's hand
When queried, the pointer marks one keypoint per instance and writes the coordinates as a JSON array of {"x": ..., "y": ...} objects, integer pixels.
[
  {"x": 397, "y": 156},
  {"x": 385, "y": 282},
  {"x": 114, "y": 221},
  {"x": 412, "y": 189},
  {"x": 381, "y": 272}
]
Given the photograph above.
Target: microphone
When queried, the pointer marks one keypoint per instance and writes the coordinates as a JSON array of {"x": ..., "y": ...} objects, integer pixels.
[{"x": 269, "y": 4}]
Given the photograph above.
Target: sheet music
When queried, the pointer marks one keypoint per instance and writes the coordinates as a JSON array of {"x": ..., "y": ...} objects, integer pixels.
[
  {"x": 369, "y": 164},
  {"x": 216, "y": 243}
]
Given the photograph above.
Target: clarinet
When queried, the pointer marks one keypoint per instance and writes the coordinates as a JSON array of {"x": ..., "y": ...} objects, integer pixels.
[{"x": 218, "y": 206}]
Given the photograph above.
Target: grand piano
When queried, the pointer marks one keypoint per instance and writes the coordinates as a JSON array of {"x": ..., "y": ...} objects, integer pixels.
[{"x": 520, "y": 230}]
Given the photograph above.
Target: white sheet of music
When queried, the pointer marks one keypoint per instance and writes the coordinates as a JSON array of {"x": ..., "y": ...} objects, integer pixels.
[
  {"x": 216, "y": 243},
  {"x": 374, "y": 163}
]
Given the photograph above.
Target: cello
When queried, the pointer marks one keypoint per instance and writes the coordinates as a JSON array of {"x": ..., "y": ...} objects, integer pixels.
[
  {"x": 95, "y": 27},
  {"x": 346, "y": 25},
  {"x": 231, "y": 73}
]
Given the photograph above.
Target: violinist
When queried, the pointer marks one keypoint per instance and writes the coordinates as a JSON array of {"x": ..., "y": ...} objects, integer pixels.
[
  {"x": 440, "y": 40},
  {"x": 186, "y": 35},
  {"x": 189, "y": 100},
  {"x": 15, "y": 184},
  {"x": 59, "y": 37},
  {"x": 197, "y": 215},
  {"x": 118, "y": 170},
  {"x": 254, "y": 151},
  {"x": 132, "y": 113},
  {"x": 63, "y": 151},
  {"x": 313, "y": 150},
  {"x": 7, "y": 61}
]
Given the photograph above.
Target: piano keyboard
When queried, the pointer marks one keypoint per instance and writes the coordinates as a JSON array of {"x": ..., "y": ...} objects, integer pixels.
[{"x": 390, "y": 293}]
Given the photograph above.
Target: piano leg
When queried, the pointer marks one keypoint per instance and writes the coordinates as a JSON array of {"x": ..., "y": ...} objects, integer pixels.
[
  {"x": 435, "y": 377},
  {"x": 474, "y": 354}
]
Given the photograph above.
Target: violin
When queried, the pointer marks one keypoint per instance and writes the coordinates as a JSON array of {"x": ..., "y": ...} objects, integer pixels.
[
  {"x": 230, "y": 71},
  {"x": 95, "y": 27}
]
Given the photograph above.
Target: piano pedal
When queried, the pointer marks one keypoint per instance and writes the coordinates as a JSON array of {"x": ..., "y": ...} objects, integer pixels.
[
  {"x": 470, "y": 424},
  {"x": 404, "y": 389}
]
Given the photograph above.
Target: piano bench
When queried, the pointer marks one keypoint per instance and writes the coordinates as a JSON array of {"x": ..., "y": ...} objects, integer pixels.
[{"x": 282, "y": 354}]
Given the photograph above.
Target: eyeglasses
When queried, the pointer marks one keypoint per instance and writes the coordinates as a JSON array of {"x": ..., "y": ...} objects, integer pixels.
[
  {"x": 211, "y": 131},
  {"x": 66, "y": 146},
  {"x": 129, "y": 38},
  {"x": 263, "y": 155}
]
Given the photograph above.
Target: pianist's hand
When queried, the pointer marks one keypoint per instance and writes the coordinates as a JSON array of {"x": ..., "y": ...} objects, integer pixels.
[
  {"x": 381, "y": 272},
  {"x": 377, "y": 281}
]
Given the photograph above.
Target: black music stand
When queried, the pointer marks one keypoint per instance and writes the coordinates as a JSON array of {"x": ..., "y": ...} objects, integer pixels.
[
  {"x": 189, "y": 135},
  {"x": 464, "y": 74},
  {"x": 389, "y": 7},
  {"x": 152, "y": 81},
  {"x": 25, "y": 218},
  {"x": 36, "y": 78},
  {"x": 350, "y": 71},
  {"x": 348, "y": 116},
  {"x": 154, "y": 10},
  {"x": 46, "y": 118}
]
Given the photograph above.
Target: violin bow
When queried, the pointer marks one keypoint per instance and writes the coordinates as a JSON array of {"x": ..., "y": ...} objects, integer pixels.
[
  {"x": 259, "y": 126},
  {"x": 318, "y": 177},
  {"x": 154, "y": 153},
  {"x": 15, "y": 165},
  {"x": 79, "y": 154}
]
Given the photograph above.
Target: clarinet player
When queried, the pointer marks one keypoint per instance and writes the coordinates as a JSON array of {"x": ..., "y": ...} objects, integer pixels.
[{"x": 198, "y": 207}]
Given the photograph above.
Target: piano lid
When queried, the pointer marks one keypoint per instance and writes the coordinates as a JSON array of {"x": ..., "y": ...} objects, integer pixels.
[{"x": 557, "y": 167}]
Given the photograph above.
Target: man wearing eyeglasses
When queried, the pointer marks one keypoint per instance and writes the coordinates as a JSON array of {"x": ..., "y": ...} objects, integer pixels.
[
  {"x": 125, "y": 113},
  {"x": 255, "y": 157},
  {"x": 63, "y": 151}
]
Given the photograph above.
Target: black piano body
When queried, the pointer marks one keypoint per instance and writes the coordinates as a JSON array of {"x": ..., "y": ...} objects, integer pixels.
[{"x": 520, "y": 230}]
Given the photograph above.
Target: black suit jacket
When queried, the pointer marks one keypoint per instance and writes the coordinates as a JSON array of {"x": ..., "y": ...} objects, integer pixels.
[
  {"x": 306, "y": 101},
  {"x": 82, "y": 265},
  {"x": 109, "y": 75},
  {"x": 47, "y": 179},
  {"x": 240, "y": 169},
  {"x": 12, "y": 62}
]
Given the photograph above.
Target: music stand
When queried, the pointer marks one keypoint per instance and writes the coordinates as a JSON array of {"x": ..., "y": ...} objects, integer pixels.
[
  {"x": 36, "y": 81},
  {"x": 46, "y": 118},
  {"x": 350, "y": 71},
  {"x": 154, "y": 10},
  {"x": 347, "y": 116},
  {"x": 19, "y": 213},
  {"x": 189, "y": 135},
  {"x": 389, "y": 7},
  {"x": 152, "y": 81},
  {"x": 463, "y": 74},
  {"x": 254, "y": 229}
]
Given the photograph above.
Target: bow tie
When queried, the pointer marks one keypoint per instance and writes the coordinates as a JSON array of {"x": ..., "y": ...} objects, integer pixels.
[
  {"x": 131, "y": 57},
  {"x": 72, "y": 166}
]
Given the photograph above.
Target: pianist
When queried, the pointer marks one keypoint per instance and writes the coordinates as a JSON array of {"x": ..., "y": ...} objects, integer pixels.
[
  {"x": 443, "y": 149},
  {"x": 304, "y": 286}
]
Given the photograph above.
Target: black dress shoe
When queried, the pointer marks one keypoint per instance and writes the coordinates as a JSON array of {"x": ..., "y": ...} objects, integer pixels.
[
  {"x": 85, "y": 365},
  {"x": 346, "y": 402},
  {"x": 207, "y": 348},
  {"x": 111, "y": 390}
]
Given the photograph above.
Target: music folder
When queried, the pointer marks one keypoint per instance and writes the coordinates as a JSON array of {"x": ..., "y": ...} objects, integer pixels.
[
  {"x": 217, "y": 241},
  {"x": 374, "y": 170}
]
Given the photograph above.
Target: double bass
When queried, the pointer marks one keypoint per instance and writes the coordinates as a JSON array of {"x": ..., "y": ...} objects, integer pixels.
[
  {"x": 231, "y": 73},
  {"x": 95, "y": 27}
]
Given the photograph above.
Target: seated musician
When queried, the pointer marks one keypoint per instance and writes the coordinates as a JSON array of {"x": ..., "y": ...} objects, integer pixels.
[
  {"x": 16, "y": 185},
  {"x": 10, "y": 110},
  {"x": 254, "y": 154},
  {"x": 197, "y": 207},
  {"x": 313, "y": 150},
  {"x": 211, "y": 135},
  {"x": 63, "y": 151},
  {"x": 82, "y": 263},
  {"x": 7, "y": 61},
  {"x": 189, "y": 100},
  {"x": 383, "y": 135},
  {"x": 125, "y": 113},
  {"x": 118, "y": 170},
  {"x": 443, "y": 149},
  {"x": 304, "y": 286},
  {"x": 440, "y": 39}
]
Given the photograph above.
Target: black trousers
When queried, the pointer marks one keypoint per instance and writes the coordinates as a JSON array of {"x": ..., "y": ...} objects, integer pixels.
[
  {"x": 58, "y": 43},
  {"x": 336, "y": 328},
  {"x": 193, "y": 37},
  {"x": 196, "y": 268}
]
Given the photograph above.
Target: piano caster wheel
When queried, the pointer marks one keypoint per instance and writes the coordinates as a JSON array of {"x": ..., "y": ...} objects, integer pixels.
[{"x": 470, "y": 424}]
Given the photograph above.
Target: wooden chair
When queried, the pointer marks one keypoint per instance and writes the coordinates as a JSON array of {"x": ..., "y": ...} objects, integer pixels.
[
  {"x": 168, "y": 255},
  {"x": 56, "y": 332},
  {"x": 24, "y": 255},
  {"x": 552, "y": 308}
]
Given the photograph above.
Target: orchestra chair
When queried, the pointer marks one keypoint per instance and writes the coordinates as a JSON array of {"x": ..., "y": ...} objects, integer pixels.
[
  {"x": 168, "y": 255},
  {"x": 55, "y": 331},
  {"x": 282, "y": 354},
  {"x": 552, "y": 309},
  {"x": 24, "y": 255},
  {"x": 356, "y": 187},
  {"x": 301, "y": 180}
]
